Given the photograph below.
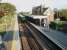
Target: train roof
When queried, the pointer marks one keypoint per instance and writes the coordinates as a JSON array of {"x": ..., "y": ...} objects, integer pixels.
[{"x": 38, "y": 16}]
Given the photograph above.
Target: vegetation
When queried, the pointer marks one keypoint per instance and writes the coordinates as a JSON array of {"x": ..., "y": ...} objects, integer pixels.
[
  {"x": 56, "y": 26},
  {"x": 7, "y": 12},
  {"x": 7, "y": 9},
  {"x": 61, "y": 24},
  {"x": 62, "y": 14}
]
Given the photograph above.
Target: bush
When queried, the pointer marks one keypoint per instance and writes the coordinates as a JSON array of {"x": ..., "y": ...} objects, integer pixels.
[
  {"x": 63, "y": 18},
  {"x": 53, "y": 25},
  {"x": 56, "y": 26}
]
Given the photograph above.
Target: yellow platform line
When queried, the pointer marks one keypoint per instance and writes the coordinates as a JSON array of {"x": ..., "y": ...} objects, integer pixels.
[{"x": 13, "y": 45}]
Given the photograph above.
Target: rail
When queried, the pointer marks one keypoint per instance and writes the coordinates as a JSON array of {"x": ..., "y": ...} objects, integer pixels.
[{"x": 59, "y": 42}]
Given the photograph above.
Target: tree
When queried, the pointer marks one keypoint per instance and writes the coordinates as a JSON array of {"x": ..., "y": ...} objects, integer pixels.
[
  {"x": 56, "y": 15},
  {"x": 60, "y": 13},
  {"x": 63, "y": 13},
  {"x": 7, "y": 9}
]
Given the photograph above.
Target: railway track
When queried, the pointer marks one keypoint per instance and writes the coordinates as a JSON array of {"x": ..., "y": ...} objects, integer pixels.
[
  {"x": 26, "y": 38},
  {"x": 32, "y": 39},
  {"x": 43, "y": 41}
]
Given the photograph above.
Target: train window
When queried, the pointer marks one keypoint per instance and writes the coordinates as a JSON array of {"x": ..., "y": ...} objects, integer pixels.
[{"x": 37, "y": 21}]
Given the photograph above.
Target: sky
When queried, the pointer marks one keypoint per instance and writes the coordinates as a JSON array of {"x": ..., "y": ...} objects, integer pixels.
[{"x": 26, "y": 5}]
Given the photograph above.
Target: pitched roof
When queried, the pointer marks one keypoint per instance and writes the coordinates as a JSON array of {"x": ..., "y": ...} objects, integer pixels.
[{"x": 39, "y": 9}]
